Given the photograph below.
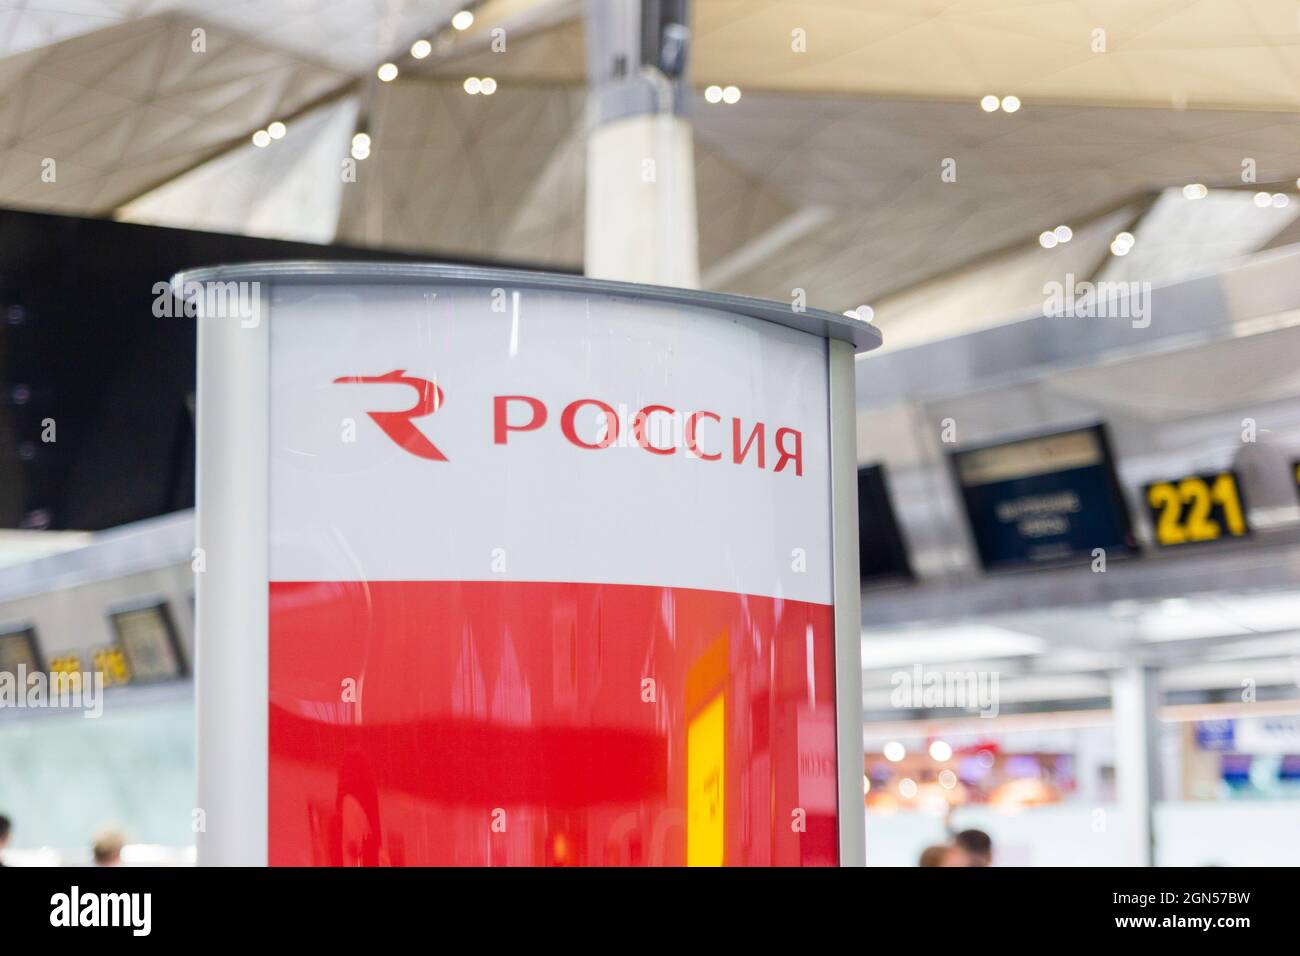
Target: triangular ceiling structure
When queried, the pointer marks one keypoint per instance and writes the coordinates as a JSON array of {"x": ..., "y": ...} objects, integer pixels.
[{"x": 826, "y": 176}]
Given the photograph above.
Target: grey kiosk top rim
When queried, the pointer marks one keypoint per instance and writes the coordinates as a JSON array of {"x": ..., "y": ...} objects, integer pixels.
[{"x": 828, "y": 325}]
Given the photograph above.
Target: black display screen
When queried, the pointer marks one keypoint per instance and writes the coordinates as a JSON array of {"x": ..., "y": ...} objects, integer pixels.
[
  {"x": 882, "y": 554},
  {"x": 1045, "y": 499}
]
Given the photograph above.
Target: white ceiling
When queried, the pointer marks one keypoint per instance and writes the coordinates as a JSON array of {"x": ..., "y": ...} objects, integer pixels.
[{"x": 825, "y": 176}]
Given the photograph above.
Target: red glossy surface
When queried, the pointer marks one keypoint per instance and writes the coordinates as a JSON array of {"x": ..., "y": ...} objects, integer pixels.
[{"x": 498, "y": 723}]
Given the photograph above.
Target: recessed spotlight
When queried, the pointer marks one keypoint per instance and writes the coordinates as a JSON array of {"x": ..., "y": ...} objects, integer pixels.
[
  {"x": 1195, "y": 191},
  {"x": 730, "y": 94},
  {"x": 463, "y": 20},
  {"x": 989, "y": 104},
  {"x": 277, "y": 130},
  {"x": 488, "y": 86},
  {"x": 1047, "y": 239},
  {"x": 387, "y": 72},
  {"x": 940, "y": 750},
  {"x": 360, "y": 151},
  {"x": 1118, "y": 248},
  {"x": 894, "y": 751},
  {"x": 1063, "y": 233},
  {"x": 421, "y": 48},
  {"x": 473, "y": 85},
  {"x": 1281, "y": 200},
  {"x": 907, "y": 788},
  {"x": 261, "y": 138},
  {"x": 1263, "y": 200},
  {"x": 1010, "y": 104},
  {"x": 361, "y": 140},
  {"x": 713, "y": 94}
]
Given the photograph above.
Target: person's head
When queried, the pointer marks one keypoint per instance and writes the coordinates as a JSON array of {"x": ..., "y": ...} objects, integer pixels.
[
  {"x": 5, "y": 827},
  {"x": 977, "y": 845},
  {"x": 107, "y": 848},
  {"x": 944, "y": 854}
]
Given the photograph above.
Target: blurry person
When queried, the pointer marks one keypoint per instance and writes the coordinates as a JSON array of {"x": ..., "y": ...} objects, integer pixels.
[
  {"x": 933, "y": 855},
  {"x": 977, "y": 845},
  {"x": 107, "y": 848},
  {"x": 944, "y": 854},
  {"x": 5, "y": 827}
]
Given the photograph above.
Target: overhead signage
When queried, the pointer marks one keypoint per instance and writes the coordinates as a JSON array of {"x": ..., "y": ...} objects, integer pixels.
[{"x": 1050, "y": 498}]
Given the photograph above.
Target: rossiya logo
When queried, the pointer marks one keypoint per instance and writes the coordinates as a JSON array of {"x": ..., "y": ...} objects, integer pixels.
[
  {"x": 398, "y": 425},
  {"x": 658, "y": 429}
]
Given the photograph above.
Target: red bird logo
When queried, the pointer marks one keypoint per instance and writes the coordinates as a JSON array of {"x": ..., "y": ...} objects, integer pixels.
[{"x": 397, "y": 425}]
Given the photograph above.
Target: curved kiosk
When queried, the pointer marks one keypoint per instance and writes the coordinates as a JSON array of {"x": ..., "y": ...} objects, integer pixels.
[{"x": 500, "y": 568}]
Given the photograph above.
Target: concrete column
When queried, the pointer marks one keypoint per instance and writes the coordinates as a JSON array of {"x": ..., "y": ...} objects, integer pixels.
[
  {"x": 1135, "y": 700},
  {"x": 641, "y": 221}
]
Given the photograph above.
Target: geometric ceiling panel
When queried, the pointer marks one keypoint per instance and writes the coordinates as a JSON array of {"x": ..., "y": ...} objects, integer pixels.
[
  {"x": 1181, "y": 236},
  {"x": 505, "y": 176},
  {"x": 879, "y": 164},
  {"x": 1158, "y": 53},
  {"x": 994, "y": 291},
  {"x": 350, "y": 35},
  {"x": 122, "y": 110},
  {"x": 289, "y": 189},
  {"x": 476, "y": 175},
  {"x": 1243, "y": 54}
]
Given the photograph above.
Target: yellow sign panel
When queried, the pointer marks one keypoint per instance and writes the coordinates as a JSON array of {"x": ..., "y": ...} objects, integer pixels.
[
  {"x": 706, "y": 746},
  {"x": 1196, "y": 508}
]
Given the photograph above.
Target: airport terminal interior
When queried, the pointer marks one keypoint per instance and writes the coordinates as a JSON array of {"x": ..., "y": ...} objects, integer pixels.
[{"x": 1072, "y": 227}]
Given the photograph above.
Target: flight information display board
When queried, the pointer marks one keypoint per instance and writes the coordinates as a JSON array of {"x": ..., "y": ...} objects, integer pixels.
[
  {"x": 147, "y": 641},
  {"x": 1194, "y": 509},
  {"x": 1045, "y": 499},
  {"x": 882, "y": 554},
  {"x": 18, "y": 648}
]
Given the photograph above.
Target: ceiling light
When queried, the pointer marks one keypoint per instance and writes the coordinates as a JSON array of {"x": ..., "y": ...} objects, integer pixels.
[
  {"x": 1122, "y": 244},
  {"x": 863, "y": 313},
  {"x": 421, "y": 48},
  {"x": 1194, "y": 191},
  {"x": 1047, "y": 239},
  {"x": 1063, "y": 233},
  {"x": 731, "y": 94},
  {"x": 1281, "y": 200},
  {"x": 361, "y": 140},
  {"x": 947, "y": 779},
  {"x": 387, "y": 72},
  {"x": 1262, "y": 200},
  {"x": 261, "y": 138},
  {"x": 488, "y": 86},
  {"x": 894, "y": 751},
  {"x": 1010, "y": 104},
  {"x": 941, "y": 751},
  {"x": 277, "y": 130},
  {"x": 463, "y": 20},
  {"x": 907, "y": 788},
  {"x": 910, "y": 646},
  {"x": 360, "y": 150},
  {"x": 713, "y": 94},
  {"x": 989, "y": 104},
  {"x": 473, "y": 85}
]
